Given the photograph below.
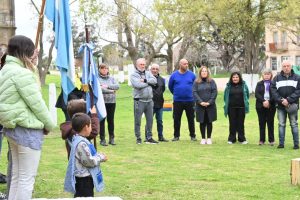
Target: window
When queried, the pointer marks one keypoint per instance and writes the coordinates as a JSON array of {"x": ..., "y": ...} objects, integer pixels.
[
  {"x": 275, "y": 37},
  {"x": 274, "y": 63},
  {"x": 297, "y": 61},
  {"x": 283, "y": 37},
  {"x": 283, "y": 58}
]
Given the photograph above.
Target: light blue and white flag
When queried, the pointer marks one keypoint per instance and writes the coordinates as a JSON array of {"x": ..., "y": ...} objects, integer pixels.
[
  {"x": 57, "y": 11},
  {"x": 90, "y": 77}
]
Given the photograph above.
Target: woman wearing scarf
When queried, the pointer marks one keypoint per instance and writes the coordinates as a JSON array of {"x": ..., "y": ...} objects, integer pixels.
[{"x": 265, "y": 107}]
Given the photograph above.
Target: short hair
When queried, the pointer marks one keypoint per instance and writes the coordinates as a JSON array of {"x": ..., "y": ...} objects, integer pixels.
[
  {"x": 239, "y": 75},
  {"x": 140, "y": 60},
  {"x": 79, "y": 121},
  {"x": 267, "y": 71},
  {"x": 102, "y": 65},
  {"x": 76, "y": 106},
  {"x": 154, "y": 64}
]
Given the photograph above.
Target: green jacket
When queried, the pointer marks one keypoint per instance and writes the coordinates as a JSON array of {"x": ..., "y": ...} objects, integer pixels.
[
  {"x": 226, "y": 97},
  {"x": 21, "y": 101}
]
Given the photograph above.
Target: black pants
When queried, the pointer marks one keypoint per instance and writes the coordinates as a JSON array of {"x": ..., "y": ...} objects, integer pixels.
[
  {"x": 266, "y": 116},
  {"x": 236, "y": 124},
  {"x": 206, "y": 125},
  {"x": 178, "y": 108},
  {"x": 84, "y": 187},
  {"x": 110, "y": 110}
]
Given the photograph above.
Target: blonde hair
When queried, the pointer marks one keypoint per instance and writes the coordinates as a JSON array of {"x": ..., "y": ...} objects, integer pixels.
[{"x": 199, "y": 79}]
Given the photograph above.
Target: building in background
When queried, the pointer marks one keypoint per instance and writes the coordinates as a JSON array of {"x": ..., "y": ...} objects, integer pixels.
[
  {"x": 281, "y": 45},
  {"x": 7, "y": 21}
]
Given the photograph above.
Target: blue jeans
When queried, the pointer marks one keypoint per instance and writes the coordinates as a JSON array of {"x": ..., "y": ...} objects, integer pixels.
[
  {"x": 158, "y": 112},
  {"x": 293, "y": 118}
]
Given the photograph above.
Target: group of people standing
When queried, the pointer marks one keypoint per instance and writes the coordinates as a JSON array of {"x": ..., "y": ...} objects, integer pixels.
[{"x": 197, "y": 96}]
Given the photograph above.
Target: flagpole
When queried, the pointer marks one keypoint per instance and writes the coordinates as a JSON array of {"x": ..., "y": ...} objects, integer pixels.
[
  {"x": 87, "y": 39},
  {"x": 40, "y": 24}
]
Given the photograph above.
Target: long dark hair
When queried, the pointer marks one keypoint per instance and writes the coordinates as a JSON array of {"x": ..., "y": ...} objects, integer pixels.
[
  {"x": 22, "y": 48},
  {"x": 239, "y": 75}
]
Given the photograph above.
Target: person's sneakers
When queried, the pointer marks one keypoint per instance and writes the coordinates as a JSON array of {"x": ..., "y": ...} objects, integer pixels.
[
  {"x": 2, "y": 178},
  {"x": 296, "y": 147},
  {"x": 3, "y": 196},
  {"x": 151, "y": 141},
  {"x": 229, "y": 142},
  {"x": 112, "y": 142},
  {"x": 103, "y": 143},
  {"x": 139, "y": 141},
  {"x": 209, "y": 141},
  {"x": 245, "y": 142},
  {"x": 203, "y": 141},
  {"x": 261, "y": 143},
  {"x": 162, "y": 139},
  {"x": 193, "y": 139},
  {"x": 175, "y": 139},
  {"x": 272, "y": 143},
  {"x": 280, "y": 146}
]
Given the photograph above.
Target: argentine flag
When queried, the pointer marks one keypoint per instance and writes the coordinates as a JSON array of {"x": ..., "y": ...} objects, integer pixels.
[
  {"x": 90, "y": 77},
  {"x": 57, "y": 11}
]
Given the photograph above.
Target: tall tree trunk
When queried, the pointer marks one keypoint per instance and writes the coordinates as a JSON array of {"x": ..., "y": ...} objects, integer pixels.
[
  {"x": 170, "y": 59},
  {"x": 120, "y": 37}
]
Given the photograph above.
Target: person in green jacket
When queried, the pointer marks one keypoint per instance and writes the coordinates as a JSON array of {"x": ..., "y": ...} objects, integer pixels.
[
  {"x": 236, "y": 99},
  {"x": 23, "y": 113}
]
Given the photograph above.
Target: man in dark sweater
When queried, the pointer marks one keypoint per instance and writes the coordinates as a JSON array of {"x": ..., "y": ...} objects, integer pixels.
[
  {"x": 181, "y": 85},
  {"x": 285, "y": 89},
  {"x": 158, "y": 100}
]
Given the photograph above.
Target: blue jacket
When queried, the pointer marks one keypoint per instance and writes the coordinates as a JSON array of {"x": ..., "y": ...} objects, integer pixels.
[{"x": 95, "y": 172}]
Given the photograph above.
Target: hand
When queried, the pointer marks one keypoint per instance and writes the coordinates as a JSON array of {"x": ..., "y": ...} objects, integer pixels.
[
  {"x": 103, "y": 157},
  {"x": 142, "y": 80},
  {"x": 93, "y": 110},
  {"x": 104, "y": 86},
  {"x": 285, "y": 102},
  {"x": 266, "y": 104}
]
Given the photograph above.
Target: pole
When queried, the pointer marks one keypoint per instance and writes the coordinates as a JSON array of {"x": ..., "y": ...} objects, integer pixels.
[
  {"x": 40, "y": 24},
  {"x": 87, "y": 40}
]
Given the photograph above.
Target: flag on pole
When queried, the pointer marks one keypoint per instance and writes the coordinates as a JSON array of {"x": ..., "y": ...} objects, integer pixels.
[
  {"x": 57, "y": 11},
  {"x": 90, "y": 77}
]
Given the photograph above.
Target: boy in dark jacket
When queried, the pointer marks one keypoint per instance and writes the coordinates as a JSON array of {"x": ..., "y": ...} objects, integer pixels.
[{"x": 67, "y": 132}]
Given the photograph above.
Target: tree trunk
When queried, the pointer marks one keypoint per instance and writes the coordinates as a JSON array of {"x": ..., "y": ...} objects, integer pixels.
[
  {"x": 170, "y": 59},
  {"x": 186, "y": 42}
]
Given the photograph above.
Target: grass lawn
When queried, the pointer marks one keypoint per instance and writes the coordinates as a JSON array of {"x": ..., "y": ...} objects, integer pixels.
[{"x": 175, "y": 170}]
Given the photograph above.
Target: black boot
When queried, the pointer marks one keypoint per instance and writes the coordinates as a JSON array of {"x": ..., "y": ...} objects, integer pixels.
[
  {"x": 112, "y": 141},
  {"x": 162, "y": 139}
]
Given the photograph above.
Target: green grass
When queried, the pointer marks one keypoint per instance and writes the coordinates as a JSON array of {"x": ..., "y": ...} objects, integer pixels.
[{"x": 176, "y": 170}]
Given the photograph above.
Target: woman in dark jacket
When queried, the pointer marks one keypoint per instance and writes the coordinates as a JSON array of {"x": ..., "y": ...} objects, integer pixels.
[
  {"x": 265, "y": 107},
  {"x": 236, "y": 99},
  {"x": 205, "y": 94}
]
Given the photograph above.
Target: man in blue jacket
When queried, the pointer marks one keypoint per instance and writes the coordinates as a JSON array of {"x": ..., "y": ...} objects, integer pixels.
[
  {"x": 181, "y": 85},
  {"x": 285, "y": 89}
]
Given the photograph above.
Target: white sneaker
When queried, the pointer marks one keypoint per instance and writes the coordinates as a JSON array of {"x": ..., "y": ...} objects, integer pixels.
[
  {"x": 245, "y": 142},
  {"x": 208, "y": 141},
  {"x": 229, "y": 142},
  {"x": 203, "y": 141}
]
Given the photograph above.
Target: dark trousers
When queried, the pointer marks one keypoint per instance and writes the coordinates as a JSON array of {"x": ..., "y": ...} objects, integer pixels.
[
  {"x": 84, "y": 187},
  {"x": 206, "y": 125},
  {"x": 110, "y": 110},
  {"x": 266, "y": 116},
  {"x": 178, "y": 108},
  {"x": 236, "y": 124}
]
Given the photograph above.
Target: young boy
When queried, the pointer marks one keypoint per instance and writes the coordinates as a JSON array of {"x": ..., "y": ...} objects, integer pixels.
[
  {"x": 78, "y": 106},
  {"x": 83, "y": 173}
]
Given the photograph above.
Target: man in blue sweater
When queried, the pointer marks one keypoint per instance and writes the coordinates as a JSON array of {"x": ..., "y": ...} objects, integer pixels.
[{"x": 180, "y": 85}]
